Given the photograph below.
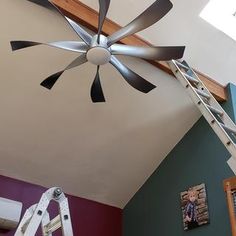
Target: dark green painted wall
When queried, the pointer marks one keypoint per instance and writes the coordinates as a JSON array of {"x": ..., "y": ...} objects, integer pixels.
[{"x": 198, "y": 158}]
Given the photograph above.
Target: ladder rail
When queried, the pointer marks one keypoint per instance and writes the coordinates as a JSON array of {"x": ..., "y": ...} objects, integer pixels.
[
  {"x": 204, "y": 108},
  {"x": 65, "y": 218},
  {"x": 37, "y": 216},
  {"x": 214, "y": 103},
  {"x": 25, "y": 221}
]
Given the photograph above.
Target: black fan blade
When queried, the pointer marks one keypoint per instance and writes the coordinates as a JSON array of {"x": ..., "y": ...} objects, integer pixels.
[
  {"x": 96, "y": 92},
  {"x": 103, "y": 9},
  {"x": 84, "y": 35},
  {"x": 135, "y": 80},
  {"x": 149, "y": 53},
  {"x": 51, "y": 80},
  {"x": 150, "y": 16},
  {"x": 16, "y": 45},
  {"x": 74, "y": 46}
]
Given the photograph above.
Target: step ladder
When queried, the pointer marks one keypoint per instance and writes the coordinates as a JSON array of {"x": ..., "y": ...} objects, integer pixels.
[
  {"x": 215, "y": 115},
  {"x": 37, "y": 214}
]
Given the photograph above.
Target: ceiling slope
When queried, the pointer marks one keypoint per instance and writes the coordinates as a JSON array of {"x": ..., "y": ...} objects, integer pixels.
[{"x": 102, "y": 152}]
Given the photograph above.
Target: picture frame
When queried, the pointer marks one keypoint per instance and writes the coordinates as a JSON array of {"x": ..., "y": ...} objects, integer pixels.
[{"x": 194, "y": 207}]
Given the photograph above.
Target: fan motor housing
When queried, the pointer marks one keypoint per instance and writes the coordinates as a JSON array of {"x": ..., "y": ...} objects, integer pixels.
[{"x": 99, "y": 53}]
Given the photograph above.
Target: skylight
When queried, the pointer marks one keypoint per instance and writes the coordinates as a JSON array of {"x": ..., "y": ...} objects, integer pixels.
[{"x": 222, "y": 15}]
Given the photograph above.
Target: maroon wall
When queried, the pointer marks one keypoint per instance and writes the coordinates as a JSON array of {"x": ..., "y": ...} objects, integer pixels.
[{"x": 89, "y": 218}]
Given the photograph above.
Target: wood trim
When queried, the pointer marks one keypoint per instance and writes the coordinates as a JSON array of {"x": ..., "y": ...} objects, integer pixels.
[
  {"x": 232, "y": 182},
  {"x": 231, "y": 209},
  {"x": 229, "y": 186},
  {"x": 88, "y": 17}
]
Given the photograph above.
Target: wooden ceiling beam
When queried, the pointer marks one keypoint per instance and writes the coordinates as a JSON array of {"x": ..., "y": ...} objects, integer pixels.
[{"x": 88, "y": 17}]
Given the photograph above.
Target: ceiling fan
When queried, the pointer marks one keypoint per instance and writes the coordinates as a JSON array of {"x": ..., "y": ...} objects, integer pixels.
[{"x": 99, "y": 49}]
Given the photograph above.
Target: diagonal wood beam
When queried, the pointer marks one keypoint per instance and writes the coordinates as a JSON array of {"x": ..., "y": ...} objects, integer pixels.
[{"x": 88, "y": 17}]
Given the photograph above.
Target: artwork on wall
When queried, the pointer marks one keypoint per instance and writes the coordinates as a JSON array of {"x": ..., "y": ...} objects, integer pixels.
[{"x": 194, "y": 207}]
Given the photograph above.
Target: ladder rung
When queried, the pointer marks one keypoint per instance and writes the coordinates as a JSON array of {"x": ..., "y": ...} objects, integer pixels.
[
  {"x": 191, "y": 79},
  {"x": 53, "y": 225},
  {"x": 182, "y": 65},
  {"x": 228, "y": 129},
  {"x": 216, "y": 111},
  {"x": 203, "y": 94}
]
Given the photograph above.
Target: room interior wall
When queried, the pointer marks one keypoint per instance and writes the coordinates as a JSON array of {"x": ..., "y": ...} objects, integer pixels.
[
  {"x": 88, "y": 217},
  {"x": 198, "y": 158}
]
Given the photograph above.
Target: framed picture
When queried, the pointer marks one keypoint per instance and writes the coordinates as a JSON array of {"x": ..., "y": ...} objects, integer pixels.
[{"x": 194, "y": 207}]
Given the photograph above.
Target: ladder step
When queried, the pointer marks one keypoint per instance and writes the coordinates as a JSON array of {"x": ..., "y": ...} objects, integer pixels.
[
  {"x": 228, "y": 129},
  {"x": 216, "y": 111},
  {"x": 203, "y": 94},
  {"x": 191, "y": 79},
  {"x": 53, "y": 225},
  {"x": 182, "y": 65}
]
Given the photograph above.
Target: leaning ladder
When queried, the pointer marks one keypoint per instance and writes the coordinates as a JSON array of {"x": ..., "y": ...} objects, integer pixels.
[
  {"x": 215, "y": 115},
  {"x": 37, "y": 214}
]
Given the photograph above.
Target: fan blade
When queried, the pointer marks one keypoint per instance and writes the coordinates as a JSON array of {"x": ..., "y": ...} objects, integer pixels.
[
  {"x": 103, "y": 9},
  {"x": 135, "y": 80},
  {"x": 84, "y": 35},
  {"x": 149, "y": 53},
  {"x": 96, "y": 89},
  {"x": 16, "y": 45},
  {"x": 74, "y": 46},
  {"x": 150, "y": 16},
  {"x": 51, "y": 80}
]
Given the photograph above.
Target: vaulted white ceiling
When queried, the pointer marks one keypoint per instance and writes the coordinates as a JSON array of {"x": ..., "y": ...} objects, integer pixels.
[{"x": 103, "y": 152}]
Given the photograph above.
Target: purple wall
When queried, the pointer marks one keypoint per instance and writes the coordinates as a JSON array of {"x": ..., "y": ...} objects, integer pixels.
[{"x": 89, "y": 218}]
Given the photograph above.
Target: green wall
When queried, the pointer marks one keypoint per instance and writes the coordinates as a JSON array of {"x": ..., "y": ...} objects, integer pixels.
[{"x": 198, "y": 158}]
